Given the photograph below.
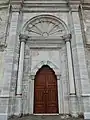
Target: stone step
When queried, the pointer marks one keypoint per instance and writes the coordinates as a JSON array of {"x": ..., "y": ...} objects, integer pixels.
[{"x": 46, "y": 117}]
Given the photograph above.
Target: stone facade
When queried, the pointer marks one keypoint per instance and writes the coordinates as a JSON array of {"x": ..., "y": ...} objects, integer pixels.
[{"x": 36, "y": 33}]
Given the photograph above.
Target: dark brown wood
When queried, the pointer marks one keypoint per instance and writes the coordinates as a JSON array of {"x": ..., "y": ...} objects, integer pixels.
[{"x": 45, "y": 92}]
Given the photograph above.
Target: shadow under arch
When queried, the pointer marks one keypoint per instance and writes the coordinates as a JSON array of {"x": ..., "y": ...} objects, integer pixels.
[
  {"x": 47, "y": 67},
  {"x": 51, "y": 65}
]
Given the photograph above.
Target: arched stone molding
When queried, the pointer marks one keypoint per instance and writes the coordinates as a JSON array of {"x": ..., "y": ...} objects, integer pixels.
[
  {"x": 50, "y": 64},
  {"x": 32, "y": 80},
  {"x": 45, "y": 26}
]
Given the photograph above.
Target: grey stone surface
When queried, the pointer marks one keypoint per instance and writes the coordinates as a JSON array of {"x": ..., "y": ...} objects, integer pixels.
[
  {"x": 48, "y": 117},
  {"x": 86, "y": 115},
  {"x": 3, "y": 117},
  {"x": 12, "y": 21}
]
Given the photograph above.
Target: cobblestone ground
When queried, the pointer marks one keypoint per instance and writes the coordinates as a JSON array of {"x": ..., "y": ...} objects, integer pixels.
[{"x": 43, "y": 117}]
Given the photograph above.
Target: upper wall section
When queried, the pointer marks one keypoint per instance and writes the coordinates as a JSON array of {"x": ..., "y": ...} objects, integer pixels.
[{"x": 44, "y": 5}]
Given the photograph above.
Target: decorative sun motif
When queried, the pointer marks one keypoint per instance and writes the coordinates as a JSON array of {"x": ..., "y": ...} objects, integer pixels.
[{"x": 46, "y": 27}]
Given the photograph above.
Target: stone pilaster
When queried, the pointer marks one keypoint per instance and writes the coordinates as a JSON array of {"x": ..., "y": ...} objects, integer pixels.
[
  {"x": 8, "y": 67},
  {"x": 81, "y": 74},
  {"x": 23, "y": 39},
  {"x": 21, "y": 61},
  {"x": 70, "y": 65}
]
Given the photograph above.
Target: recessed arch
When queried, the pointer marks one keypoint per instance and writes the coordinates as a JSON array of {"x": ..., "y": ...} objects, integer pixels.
[
  {"x": 47, "y": 67},
  {"x": 45, "y": 26},
  {"x": 45, "y": 91},
  {"x": 42, "y": 63}
]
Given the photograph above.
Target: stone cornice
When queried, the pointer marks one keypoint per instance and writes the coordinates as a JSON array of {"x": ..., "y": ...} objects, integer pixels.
[
  {"x": 4, "y": 5},
  {"x": 73, "y": 5},
  {"x": 59, "y": 40},
  {"x": 47, "y": 6},
  {"x": 86, "y": 6},
  {"x": 16, "y": 5},
  {"x": 4, "y": 1}
]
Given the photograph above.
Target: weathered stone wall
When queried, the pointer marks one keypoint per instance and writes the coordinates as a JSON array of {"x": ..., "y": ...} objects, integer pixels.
[
  {"x": 10, "y": 57},
  {"x": 87, "y": 52},
  {"x": 86, "y": 21},
  {"x": 4, "y": 14},
  {"x": 1, "y": 69},
  {"x": 34, "y": 59}
]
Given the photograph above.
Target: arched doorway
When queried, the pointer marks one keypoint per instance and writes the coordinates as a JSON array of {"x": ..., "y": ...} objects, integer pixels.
[{"x": 45, "y": 91}]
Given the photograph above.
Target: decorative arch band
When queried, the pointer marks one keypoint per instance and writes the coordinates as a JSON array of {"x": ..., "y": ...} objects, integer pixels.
[{"x": 45, "y": 26}]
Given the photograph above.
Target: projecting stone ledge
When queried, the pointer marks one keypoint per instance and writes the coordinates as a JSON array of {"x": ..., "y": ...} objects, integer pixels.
[{"x": 46, "y": 117}]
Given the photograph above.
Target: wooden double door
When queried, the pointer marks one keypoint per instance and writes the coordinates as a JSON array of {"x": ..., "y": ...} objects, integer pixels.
[{"x": 45, "y": 91}]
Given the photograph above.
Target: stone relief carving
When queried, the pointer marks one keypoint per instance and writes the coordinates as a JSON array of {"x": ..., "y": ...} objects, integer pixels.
[{"x": 45, "y": 26}]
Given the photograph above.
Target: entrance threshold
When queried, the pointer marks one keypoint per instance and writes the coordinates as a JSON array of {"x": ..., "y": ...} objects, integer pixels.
[{"x": 46, "y": 114}]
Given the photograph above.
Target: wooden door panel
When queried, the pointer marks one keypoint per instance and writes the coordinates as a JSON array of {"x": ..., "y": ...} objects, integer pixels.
[
  {"x": 45, "y": 93},
  {"x": 39, "y": 108},
  {"x": 39, "y": 101},
  {"x": 52, "y": 102},
  {"x": 52, "y": 96},
  {"x": 52, "y": 109},
  {"x": 39, "y": 97},
  {"x": 40, "y": 80}
]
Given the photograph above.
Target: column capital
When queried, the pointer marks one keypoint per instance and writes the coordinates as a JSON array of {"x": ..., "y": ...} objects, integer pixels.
[
  {"x": 67, "y": 37},
  {"x": 23, "y": 38}
]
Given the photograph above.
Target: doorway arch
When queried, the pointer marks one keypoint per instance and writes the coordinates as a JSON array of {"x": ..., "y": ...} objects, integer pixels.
[{"x": 45, "y": 91}]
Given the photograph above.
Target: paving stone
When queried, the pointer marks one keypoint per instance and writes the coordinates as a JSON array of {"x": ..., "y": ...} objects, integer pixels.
[{"x": 44, "y": 117}]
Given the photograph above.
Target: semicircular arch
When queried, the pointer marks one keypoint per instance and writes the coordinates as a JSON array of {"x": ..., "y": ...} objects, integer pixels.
[{"x": 45, "y": 26}]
